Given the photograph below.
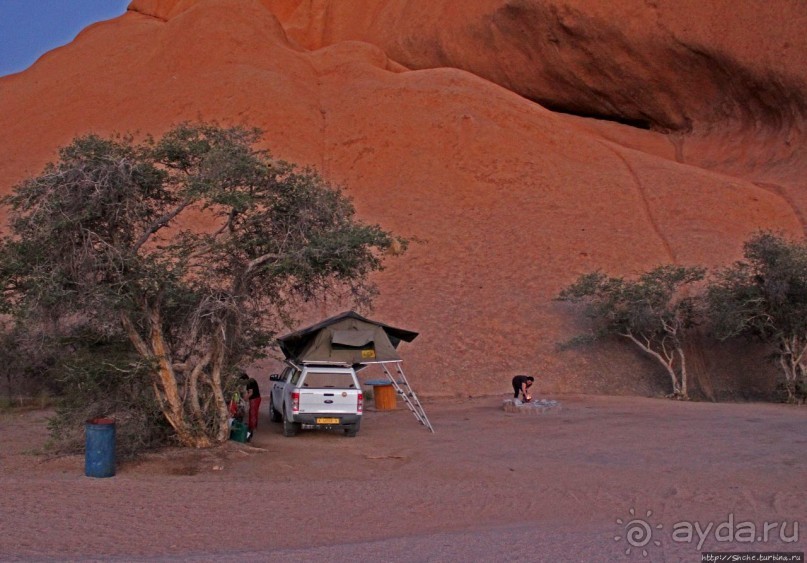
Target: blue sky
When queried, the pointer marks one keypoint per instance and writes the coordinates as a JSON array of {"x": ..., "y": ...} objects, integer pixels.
[{"x": 31, "y": 28}]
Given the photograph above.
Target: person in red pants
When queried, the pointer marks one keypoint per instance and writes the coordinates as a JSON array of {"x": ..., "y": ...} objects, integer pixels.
[{"x": 253, "y": 396}]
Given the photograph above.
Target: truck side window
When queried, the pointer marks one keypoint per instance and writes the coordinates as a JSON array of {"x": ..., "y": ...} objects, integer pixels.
[
  {"x": 296, "y": 377},
  {"x": 286, "y": 372}
]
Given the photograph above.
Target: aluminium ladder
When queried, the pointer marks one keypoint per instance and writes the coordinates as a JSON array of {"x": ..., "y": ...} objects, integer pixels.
[{"x": 408, "y": 395}]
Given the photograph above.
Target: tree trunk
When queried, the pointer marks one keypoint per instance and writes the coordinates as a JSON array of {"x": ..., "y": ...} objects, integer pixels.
[
  {"x": 790, "y": 376},
  {"x": 800, "y": 376},
  {"x": 215, "y": 377},
  {"x": 684, "y": 391},
  {"x": 667, "y": 364},
  {"x": 193, "y": 385},
  {"x": 790, "y": 358},
  {"x": 164, "y": 379}
]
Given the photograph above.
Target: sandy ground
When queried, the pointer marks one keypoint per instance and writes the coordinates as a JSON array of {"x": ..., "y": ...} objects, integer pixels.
[{"x": 487, "y": 486}]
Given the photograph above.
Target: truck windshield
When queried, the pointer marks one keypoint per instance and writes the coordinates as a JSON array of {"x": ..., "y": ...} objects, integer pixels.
[{"x": 324, "y": 380}]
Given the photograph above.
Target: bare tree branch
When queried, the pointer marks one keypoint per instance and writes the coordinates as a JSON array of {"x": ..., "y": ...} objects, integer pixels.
[{"x": 159, "y": 224}]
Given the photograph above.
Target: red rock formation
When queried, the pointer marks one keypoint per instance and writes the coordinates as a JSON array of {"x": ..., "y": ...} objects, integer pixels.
[
  {"x": 510, "y": 201},
  {"x": 665, "y": 64},
  {"x": 727, "y": 79}
]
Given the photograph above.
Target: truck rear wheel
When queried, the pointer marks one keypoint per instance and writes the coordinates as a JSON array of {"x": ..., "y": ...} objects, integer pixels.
[
  {"x": 352, "y": 430},
  {"x": 290, "y": 428}
]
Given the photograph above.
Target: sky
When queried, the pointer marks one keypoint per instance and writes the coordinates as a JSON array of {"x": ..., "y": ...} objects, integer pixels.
[{"x": 31, "y": 28}]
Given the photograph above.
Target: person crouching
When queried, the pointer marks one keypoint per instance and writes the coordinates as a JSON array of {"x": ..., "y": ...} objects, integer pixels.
[{"x": 521, "y": 385}]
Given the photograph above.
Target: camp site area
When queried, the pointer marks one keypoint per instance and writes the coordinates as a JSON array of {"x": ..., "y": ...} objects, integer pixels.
[{"x": 487, "y": 485}]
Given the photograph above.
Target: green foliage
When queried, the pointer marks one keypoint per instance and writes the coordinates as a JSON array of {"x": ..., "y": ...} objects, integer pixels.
[
  {"x": 765, "y": 295},
  {"x": 26, "y": 356},
  {"x": 575, "y": 342},
  {"x": 654, "y": 305},
  {"x": 654, "y": 312},
  {"x": 101, "y": 378},
  {"x": 195, "y": 248}
]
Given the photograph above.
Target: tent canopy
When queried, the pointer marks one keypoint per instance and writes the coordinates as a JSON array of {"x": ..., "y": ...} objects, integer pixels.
[{"x": 346, "y": 339}]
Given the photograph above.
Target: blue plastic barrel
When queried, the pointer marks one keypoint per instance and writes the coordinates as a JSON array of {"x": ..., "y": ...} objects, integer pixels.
[{"x": 99, "y": 458}]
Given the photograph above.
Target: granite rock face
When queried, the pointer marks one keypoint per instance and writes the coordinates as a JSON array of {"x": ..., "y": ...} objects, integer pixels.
[
  {"x": 468, "y": 127},
  {"x": 664, "y": 64}
]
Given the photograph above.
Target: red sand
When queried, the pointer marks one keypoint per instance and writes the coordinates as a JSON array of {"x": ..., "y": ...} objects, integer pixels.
[{"x": 488, "y": 485}]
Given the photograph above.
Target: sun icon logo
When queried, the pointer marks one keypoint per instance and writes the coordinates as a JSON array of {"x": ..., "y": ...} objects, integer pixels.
[{"x": 638, "y": 532}]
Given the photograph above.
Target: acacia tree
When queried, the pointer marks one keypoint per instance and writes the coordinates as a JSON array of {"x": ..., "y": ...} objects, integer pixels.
[
  {"x": 653, "y": 312},
  {"x": 765, "y": 296},
  {"x": 195, "y": 247}
]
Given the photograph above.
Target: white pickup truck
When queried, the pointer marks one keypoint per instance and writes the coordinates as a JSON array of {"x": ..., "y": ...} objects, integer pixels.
[{"x": 313, "y": 396}]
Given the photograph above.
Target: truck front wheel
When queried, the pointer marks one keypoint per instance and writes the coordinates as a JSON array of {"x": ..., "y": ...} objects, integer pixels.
[{"x": 274, "y": 416}]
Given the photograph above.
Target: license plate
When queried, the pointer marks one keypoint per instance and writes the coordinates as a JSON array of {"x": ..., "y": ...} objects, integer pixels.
[{"x": 327, "y": 421}]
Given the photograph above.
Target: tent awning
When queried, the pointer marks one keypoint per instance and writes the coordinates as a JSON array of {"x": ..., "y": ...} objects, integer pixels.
[{"x": 352, "y": 338}]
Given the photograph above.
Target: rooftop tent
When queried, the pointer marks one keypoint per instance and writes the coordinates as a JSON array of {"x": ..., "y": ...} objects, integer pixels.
[
  {"x": 350, "y": 339},
  {"x": 346, "y": 339}
]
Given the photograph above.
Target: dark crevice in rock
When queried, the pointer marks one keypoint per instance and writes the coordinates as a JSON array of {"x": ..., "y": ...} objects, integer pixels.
[
  {"x": 588, "y": 67},
  {"x": 637, "y": 123}
]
